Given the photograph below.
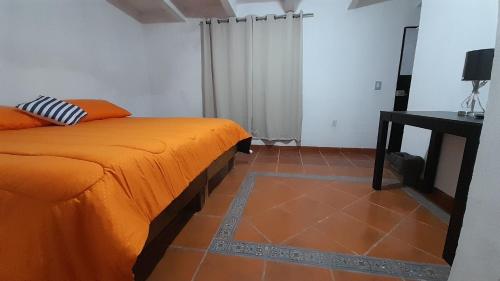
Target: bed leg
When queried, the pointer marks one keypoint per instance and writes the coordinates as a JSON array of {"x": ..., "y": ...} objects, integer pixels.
[{"x": 199, "y": 200}]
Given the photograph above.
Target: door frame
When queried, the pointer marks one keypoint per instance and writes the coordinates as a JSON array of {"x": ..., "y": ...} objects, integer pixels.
[{"x": 397, "y": 131}]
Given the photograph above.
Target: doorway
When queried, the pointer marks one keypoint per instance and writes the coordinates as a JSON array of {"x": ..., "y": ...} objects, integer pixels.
[{"x": 402, "y": 95}]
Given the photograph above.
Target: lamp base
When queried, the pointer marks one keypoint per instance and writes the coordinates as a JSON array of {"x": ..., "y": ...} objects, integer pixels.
[
  {"x": 475, "y": 115},
  {"x": 472, "y": 104},
  {"x": 478, "y": 115}
]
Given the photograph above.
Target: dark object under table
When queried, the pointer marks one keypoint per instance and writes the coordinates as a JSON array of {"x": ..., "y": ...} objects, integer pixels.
[{"x": 440, "y": 123}]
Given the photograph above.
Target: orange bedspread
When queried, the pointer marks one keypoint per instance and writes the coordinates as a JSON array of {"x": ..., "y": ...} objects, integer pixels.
[{"x": 76, "y": 202}]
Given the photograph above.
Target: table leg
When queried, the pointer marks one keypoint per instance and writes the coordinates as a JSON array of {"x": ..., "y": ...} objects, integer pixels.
[
  {"x": 396, "y": 137},
  {"x": 432, "y": 162},
  {"x": 380, "y": 155},
  {"x": 457, "y": 216}
]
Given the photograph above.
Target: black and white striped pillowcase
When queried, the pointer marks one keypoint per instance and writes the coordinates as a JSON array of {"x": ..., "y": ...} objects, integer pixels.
[{"x": 53, "y": 110}]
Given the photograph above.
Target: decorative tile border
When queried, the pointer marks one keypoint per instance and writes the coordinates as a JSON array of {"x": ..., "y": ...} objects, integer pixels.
[
  {"x": 224, "y": 243},
  {"x": 362, "y": 264}
]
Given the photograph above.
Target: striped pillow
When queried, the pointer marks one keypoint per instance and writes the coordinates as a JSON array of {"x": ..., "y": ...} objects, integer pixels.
[{"x": 53, "y": 110}]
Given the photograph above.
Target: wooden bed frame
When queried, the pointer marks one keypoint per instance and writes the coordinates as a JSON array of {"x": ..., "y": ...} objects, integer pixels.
[{"x": 167, "y": 225}]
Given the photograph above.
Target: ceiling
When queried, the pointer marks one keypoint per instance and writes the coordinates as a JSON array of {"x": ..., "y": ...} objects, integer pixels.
[
  {"x": 149, "y": 11},
  {"x": 363, "y": 3},
  {"x": 288, "y": 5},
  {"x": 154, "y": 11},
  {"x": 205, "y": 8}
]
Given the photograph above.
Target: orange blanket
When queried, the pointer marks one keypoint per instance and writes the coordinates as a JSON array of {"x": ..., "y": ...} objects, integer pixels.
[{"x": 76, "y": 202}]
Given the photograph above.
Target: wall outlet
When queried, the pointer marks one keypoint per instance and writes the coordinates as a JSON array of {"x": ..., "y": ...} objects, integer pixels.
[
  {"x": 378, "y": 85},
  {"x": 334, "y": 123}
]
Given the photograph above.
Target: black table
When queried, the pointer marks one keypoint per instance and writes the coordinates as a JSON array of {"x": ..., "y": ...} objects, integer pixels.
[{"x": 439, "y": 122}]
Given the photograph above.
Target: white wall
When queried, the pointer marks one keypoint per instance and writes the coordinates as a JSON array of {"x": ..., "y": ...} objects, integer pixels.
[
  {"x": 345, "y": 52},
  {"x": 72, "y": 49},
  {"x": 174, "y": 61},
  {"x": 448, "y": 29},
  {"x": 478, "y": 253}
]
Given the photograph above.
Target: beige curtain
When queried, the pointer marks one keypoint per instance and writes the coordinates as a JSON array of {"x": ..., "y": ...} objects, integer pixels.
[
  {"x": 252, "y": 74},
  {"x": 227, "y": 70}
]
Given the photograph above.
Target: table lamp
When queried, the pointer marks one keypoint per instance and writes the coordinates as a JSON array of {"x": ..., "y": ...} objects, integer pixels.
[{"x": 477, "y": 68}]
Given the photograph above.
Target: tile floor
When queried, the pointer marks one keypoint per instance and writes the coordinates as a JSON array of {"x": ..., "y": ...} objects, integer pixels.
[{"x": 332, "y": 216}]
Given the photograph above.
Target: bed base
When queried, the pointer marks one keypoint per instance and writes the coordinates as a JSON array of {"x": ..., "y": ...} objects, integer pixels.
[{"x": 167, "y": 225}]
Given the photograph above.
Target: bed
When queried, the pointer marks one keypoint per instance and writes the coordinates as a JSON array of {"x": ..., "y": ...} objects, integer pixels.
[{"x": 102, "y": 200}]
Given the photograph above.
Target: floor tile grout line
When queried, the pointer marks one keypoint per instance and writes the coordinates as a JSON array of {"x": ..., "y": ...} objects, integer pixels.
[
  {"x": 216, "y": 243},
  {"x": 278, "y": 161},
  {"x": 353, "y": 195},
  {"x": 313, "y": 225},
  {"x": 280, "y": 205},
  {"x": 264, "y": 272},
  {"x": 348, "y": 159},
  {"x": 345, "y": 207},
  {"x": 422, "y": 202},
  {"x": 384, "y": 207},
  {"x": 359, "y": 199},
  {"x": 329, "y": 216},
  {"x": 344, "y": 192},
  {"x": 418, "y": 248},
  {"x": 391, "y": 231},
  {"x": 427, "y": 204},
  {"x": 362, "y": 222},
  {"x": 428, "y": 224},
  {"x": 332, "y": 275},
  {"x": 324, "y": 159},
  {"x": 188, "y": 248},
  {"x": 197, "y": 270},
  {"x": 325, "y": 218},
  {"x": 258, "y": 231},
  {"x": 254, "y": 158},
  {"x": 208, "y": 215},
  {"x": 352, "y": 203},
  {"x": 301, "y": 160}
]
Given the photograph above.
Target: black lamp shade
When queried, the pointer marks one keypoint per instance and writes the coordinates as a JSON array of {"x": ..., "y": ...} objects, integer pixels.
[{"x": 478, "y": 65}]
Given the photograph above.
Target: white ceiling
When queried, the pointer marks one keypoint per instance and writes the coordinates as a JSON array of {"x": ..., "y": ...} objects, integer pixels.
[
  {"x": 363, "y": 3},
  {"x": 149, "y": 11},
  {"x": 152, "y": 11},
  {"x": 288, "y": 5},
  {"x": 205, "y": 8}
]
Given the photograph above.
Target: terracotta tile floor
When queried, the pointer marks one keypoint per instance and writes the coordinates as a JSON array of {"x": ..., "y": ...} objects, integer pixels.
[{"x": 332, "y": 216}]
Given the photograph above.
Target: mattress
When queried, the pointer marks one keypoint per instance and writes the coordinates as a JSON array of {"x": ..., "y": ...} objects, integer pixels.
[{"x": 76, "y": 202}]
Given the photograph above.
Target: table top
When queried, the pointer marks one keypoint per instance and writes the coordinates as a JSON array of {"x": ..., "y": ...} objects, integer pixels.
[
  {"x": 442, "y": 115},
  {"x": 441, "y": 121}
]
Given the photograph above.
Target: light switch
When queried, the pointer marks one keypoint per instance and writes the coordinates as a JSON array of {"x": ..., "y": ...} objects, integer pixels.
[{"x": 378, "y": 85}]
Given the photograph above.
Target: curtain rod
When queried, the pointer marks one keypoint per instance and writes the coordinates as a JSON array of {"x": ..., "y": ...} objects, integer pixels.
[{"x": 309, "y": 15}]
